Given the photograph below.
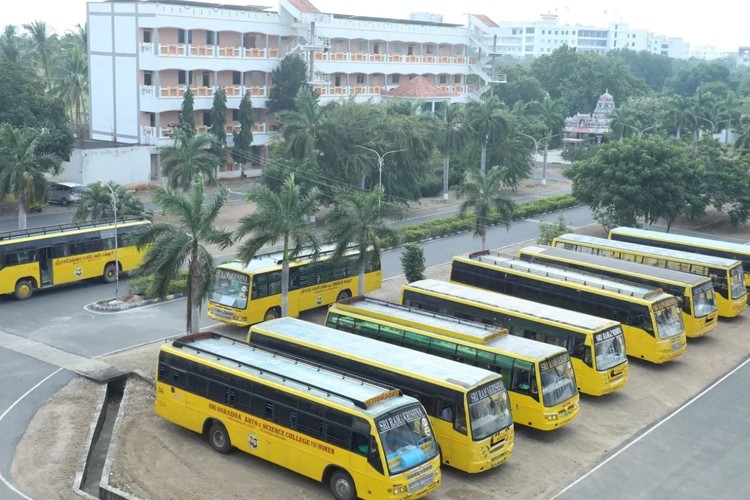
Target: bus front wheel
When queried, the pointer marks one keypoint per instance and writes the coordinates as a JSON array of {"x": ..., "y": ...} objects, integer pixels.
[
  {"x": 218, "y": 438},
  {"x": 342, "y": 486},
  {"x": 110, "y": 273},
  {"x": 272, "y": 313},
  {"x": 343, "y": 294},
  {"x": 24, "y": 289}
]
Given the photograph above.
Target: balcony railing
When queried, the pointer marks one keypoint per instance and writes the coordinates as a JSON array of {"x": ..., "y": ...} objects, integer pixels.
[
  {"x": 183, "y": 49},
  {"x": 150, "y": 135},
  {"x": 372, "y": 90},
  {"x": 178, "y": 91},
  {"x": 389, "y": 58}
]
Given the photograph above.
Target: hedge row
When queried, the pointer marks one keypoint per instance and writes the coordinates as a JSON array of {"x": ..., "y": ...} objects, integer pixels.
[
  {"x": 141, "y": 285},
  {"x": 446, "y": 226}
]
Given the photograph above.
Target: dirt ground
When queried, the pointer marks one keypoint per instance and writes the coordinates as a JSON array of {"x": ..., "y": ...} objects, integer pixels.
[{"x": 158, "y": 460}]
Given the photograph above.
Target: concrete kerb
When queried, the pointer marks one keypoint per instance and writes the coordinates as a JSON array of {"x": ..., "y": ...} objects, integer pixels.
[{"x": 116, "y": 305}]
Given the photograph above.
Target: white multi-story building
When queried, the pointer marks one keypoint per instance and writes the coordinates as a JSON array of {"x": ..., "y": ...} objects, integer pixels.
[
  {"x": 743, "y": 56},
  {"x": 143, "y": 54}
]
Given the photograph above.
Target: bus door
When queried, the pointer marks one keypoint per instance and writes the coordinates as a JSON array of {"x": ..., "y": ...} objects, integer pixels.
[{"x": 45, "y": 266}]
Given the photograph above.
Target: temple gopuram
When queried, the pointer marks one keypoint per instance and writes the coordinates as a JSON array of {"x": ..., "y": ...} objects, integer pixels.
[{"x": 586, "y": 128}]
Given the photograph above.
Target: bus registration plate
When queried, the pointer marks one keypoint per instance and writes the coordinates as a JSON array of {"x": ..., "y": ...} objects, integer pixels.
[{"x": 676, "y": 346}]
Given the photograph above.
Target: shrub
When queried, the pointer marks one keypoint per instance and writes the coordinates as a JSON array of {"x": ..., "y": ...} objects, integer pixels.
[
  {"x": 412, "y": 262},
  {"x": 548, "y": 232},
  {"x": 142, "y": 285}
]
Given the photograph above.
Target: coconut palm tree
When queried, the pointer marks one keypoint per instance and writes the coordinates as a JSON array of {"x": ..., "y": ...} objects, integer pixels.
[
  {"x": 679, "y": 114},
  {"x": 96, "y": 203},
  {"x": 189, "y": 158},
  {"x": 303, "y": 128},
  {"x": 22, "y": 168},
  {"x": 482, "y": 194},
  {"x": 71, "y": 83},
  {"x": 10, "y": 45},
  {"x": 359, "y": 219},
  {"x": 44, "y": 47},
  {"x": 171, "y": 246},
  {"x": 279, "y": 216},
  {"x": 452, "y": 136},
  {"x": 742, "y": 138},
  {"x": 488, "y": 121},
  {"x": 552, "y": 114}
]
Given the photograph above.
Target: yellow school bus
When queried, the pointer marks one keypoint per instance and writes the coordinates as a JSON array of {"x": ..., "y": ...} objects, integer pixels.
[
  {"x": 43, "y": 257},
  {"x": 695, "y": 293},
  {"x": 540, "y": 378},
  {"x": 468, "y": 406},
  {"x": 362, "y": 439},
  {"x": 596, "y": 345},
  {"x": 245, "y": 294},
  {"x": 650, "y": 318},
  {"x": 726, "y": 274}
]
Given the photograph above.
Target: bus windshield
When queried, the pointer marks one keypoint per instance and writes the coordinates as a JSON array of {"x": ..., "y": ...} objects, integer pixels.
[
  {"x": 230, "y": 288},
  {"x": 668, "y": 319},
  {"x": 407, "y": 438},
  {"x": 704, "y": 300},
  {"x": 558, "y": 380},
  {"x": 737, "y": 278},
  {"x": 489, "y": 410},
  {"x": 610, "y": 350}
]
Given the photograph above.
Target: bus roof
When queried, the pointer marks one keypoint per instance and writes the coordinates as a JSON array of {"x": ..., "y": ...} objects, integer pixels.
[
  {"x": 681, "y": 238},
  {"x": 289, "y": 371},
  {"x": 469, "y": 330},
  {"x": 450, "y": 373},
  {"x": 569, "y": 275},
  {"x": 508, "y": 302},
  {"x": 706, "y": 260},
  {"x": 271, "y": 260},
  {"x": 660, "y": 273},
  {"x": 44, "y": 232}
]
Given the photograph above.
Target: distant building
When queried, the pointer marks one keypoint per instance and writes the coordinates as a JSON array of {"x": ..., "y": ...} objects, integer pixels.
[{"x": 743, "y": 56}]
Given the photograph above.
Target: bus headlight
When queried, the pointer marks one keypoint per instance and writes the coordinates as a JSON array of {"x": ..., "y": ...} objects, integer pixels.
[
  {"x": 397, "y": 490},
  {"x": 551, "y": 416}
]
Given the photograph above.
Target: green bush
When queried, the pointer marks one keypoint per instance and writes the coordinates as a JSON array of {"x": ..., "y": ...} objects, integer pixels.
[
  {"x": 412, "y": 262},
  {"x": 142, "y": 285}
]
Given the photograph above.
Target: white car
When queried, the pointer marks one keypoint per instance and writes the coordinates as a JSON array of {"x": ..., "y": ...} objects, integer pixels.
[{"x": 64, "y": 193}]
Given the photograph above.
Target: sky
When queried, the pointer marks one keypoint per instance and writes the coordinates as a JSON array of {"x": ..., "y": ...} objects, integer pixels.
[{"x": 695, "y": 22}]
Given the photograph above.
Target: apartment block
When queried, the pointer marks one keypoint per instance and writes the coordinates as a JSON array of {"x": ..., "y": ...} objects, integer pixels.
[{"x": 143, "y": 55}]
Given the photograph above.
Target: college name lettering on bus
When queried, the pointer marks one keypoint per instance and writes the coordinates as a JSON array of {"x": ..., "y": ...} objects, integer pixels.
[
  {"x": 226, "y": 411},
  {"x": 486, "y": 391},
  {"x": 232, "y": 276},
  {"x": 665, "y": 304},
  {"x": 601, "y": 337},
  {"x": 553, "y": 362},
  {"x": 389, "y": 423}
]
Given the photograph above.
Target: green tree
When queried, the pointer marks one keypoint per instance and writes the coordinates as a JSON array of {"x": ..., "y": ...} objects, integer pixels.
[
  {"x": 483, "y": 195},
  {"x": 218, "y": 126},
  {"x": 552, "y": 115},
  {"x": 358, "y": 219},
  {"x": 488, "y": 121},
  {"x": 304, "y": 127},
  {"x": 648, "y": 178},
  {"x": 549, "y": 231},
  {"x": 521, "y": 87},
  {"x": 186, "y": 123},
  {"x": 10, "y": 45},
  {"x": 44, "y": 46},
  {"x": 686, "y": 79},
  {"x": 243, "y": 138},
  {"x": 287, "y": 80},
  {"x": 742, "y": 133},
  {"x": 654, "y": 69},
  {"x": 452, "y": 136},
  {"x": 22, "y": 168},
  {"x": 170, "y": 246},
  {"x": 71, "y": 84},
  {"x": 96, "y": 203},
  {"x": 412, "y": 262},
  {"x": 279, "y": 216},
  {"x": 679, "y": 114},
  {"x": 188, "y": 159}
]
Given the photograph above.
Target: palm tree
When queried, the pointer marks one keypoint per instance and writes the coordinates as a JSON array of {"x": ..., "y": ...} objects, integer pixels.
[
  {"x": 453, "y": 135},
  {"x": 189, "y": 158},
  {"x": 171, "y": 246},
  {"x": 71, "y": 83},
  {"x": 482, "y": 193},
  {"x": 703, "y": 107},
  {"x": 359, "y": 219},
  {"x": 742, "y": 139},
  {"x": 96, "y": 203},
  {"x": 487, "y": 119},
  {"x": 552, "y": 114},
  {"x": 10, "y": 45},
  {"x": 679, "y": 114},
  {"x": 622, "y": 120},
  {"x": 304, "y": 128},
  {"x": 22, "y": 168},
  {"x": 43, "y": 45},
  {"x": 280, "y": 216}
]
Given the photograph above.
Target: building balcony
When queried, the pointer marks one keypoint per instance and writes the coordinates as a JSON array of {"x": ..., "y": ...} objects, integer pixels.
[
  {"x": 162, "y": 136},
  {"x": 388, "y": 58},
  {"x": 178, "y": 91},
  {"x": 376, "y": 90},
  {"x": 183, "y": 50}
]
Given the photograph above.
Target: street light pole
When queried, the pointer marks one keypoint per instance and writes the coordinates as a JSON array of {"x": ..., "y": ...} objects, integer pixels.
[
  {"x": 381, "y": 160},
  {"x": 713, "y": 125},
  {"x": 536, "y": 154},
  {"x": 113, "y": 200},
  {"x": 640, "y": 130}
]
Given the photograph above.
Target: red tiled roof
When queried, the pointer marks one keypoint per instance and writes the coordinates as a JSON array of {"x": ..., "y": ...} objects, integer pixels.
[
  {"x": 305, "y": 6},
  {"x": 417, "y": 88},
  {"x": 486, "y": 20}
]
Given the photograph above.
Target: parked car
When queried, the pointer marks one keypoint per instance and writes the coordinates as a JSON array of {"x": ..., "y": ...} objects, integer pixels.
[{"x": 64, "y": 193}]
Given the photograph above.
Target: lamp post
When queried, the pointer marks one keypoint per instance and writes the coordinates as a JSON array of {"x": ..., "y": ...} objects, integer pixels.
[
  {"x": 536, "y": 154},
  {"x": 640, "y": 130},
  {"x": 113, "y": 201},
  {"x": 381, "y": 159},
  {"x": 714, "y": 124}
]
